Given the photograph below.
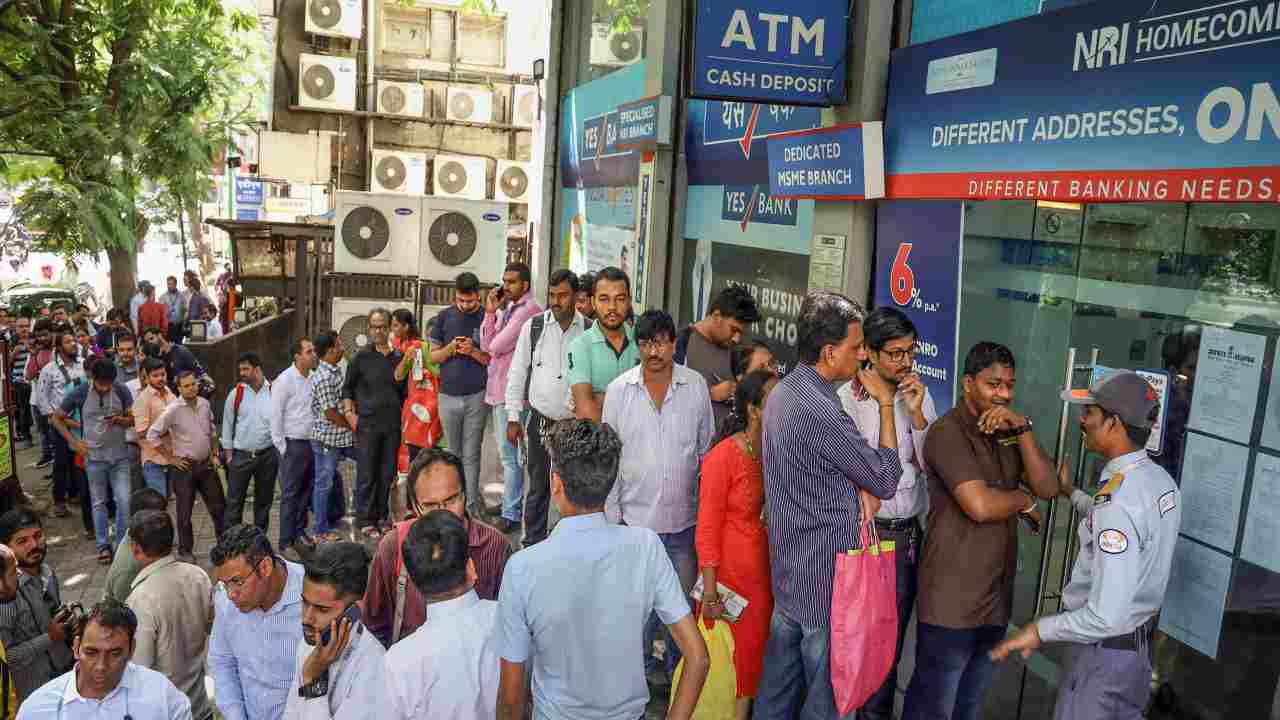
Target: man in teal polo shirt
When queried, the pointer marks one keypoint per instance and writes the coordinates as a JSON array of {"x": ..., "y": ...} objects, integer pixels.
[{"x": 605, "y": 351}]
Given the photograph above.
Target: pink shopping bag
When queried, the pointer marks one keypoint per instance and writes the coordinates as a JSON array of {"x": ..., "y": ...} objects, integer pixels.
[{"x": 864, "y": 620}]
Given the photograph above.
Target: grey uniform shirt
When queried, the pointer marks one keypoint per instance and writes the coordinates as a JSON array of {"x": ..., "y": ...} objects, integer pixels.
[{"x": 1126, "y": 549}]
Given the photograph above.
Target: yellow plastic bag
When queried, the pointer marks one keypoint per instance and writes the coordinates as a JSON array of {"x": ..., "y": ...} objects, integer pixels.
[{"x": 720, "y": 692}]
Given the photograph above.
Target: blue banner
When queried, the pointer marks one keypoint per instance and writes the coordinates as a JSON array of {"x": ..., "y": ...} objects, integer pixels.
[
  {"x": 248, "y": 192},
  {"x": 249, "y": 213},
  {"x": 784, "y": 51},
  {"x": 836, "y": 163},
  {"x": 1120, "y": 101},
  {"x": 747, "y": 204},
  {"x": 725, "y": 140},
  {"x": 918, "y": 272}
]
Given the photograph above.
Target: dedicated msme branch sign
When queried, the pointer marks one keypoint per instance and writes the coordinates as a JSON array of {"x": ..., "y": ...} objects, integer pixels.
[
  {"x": 1124, "y": 100},
  {"x": 844, "y": 162},
  {"x": 791, "y": 52}
]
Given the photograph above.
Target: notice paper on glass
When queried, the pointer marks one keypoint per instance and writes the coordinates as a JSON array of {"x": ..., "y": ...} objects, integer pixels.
[
  {"x": 1271, "y": 424},
  {"x": 1262, "y": 528},
  {"x": 1213, "y": 473},
  {"x": 1228, "y": 377},
  {"x": 734, "y": 603},
  {"x": 1196, "y": 596}
]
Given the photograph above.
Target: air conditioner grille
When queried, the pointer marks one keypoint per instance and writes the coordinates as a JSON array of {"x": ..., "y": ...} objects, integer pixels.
[
  {"x": 318, "y": 82},
  {"x": 393, "y": 99},
  {"x": 325, "y": 13},
  {"x": 391, "y": 172},
  {"x": 365, "y": 232},
  {"x": 452, "y": 177},
  {"x": 355, "y": 334},
  {"x": 452, "y": 239},
  {"x": 625, "y": 46},
  {"x": 462, "y": 106},
  {"x": 514, "y": 181}
]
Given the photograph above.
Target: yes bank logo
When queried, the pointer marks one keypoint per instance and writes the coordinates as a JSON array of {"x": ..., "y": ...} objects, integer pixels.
[
  {"x": 747, "y": 204},
  {"x": 1101, "y": 47}
]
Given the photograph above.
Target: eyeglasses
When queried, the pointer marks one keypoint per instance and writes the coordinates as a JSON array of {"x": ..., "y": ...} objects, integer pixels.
[
  {"x": 238, "y": 583},
  {"x": 442, "y": 505},
  {"x": 652, "y": 345},
  {"x": 898, "y": 356}
]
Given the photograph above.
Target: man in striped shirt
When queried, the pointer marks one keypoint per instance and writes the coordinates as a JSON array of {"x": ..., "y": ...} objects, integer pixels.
[
  {"x": 18, "y": 354},
  {"x": 822, "y": 481}
]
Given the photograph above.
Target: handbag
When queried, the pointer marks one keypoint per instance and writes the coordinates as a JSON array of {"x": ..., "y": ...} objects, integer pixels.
[
  {"x": 864, "y": 620},
  {"x": 720, "y": 691}
]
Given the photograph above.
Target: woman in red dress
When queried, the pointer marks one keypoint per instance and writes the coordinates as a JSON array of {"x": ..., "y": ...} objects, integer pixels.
[{"x": 733, "y": 548}]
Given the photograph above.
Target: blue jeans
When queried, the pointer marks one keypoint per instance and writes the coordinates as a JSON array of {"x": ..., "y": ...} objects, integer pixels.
[
  {"x": 680, "y": 551},
  {"x": 797, "y": 673},
  {"x": 326, "y": 461},
  {"x": 512, "y": 469},
  {"x": 952, "y": 673},
  {"x": 156, "y": 477},
  {"x": 114, "y": 473}
]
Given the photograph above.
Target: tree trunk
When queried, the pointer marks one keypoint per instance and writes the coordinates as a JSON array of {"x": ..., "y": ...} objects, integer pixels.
[
  {"x": 124, "y": 272},
  {"x": 204, "y": 253}
]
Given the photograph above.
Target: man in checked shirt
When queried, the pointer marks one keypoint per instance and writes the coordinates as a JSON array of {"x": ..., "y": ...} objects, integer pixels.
[{"x": 822, "y": 480}]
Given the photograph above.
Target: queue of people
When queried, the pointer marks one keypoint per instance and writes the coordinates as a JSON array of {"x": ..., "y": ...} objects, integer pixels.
[{"x": 657, "y": 459}]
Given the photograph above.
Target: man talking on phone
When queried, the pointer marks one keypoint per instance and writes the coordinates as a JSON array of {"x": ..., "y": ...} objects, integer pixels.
[{"x": 339, "y": 669}]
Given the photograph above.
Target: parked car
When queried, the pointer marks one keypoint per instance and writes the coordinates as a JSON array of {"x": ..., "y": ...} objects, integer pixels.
[{"x": 37, "y": 296}]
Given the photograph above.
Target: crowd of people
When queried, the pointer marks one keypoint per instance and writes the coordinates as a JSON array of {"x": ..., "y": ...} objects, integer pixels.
[{"x": 643, "y": 466}]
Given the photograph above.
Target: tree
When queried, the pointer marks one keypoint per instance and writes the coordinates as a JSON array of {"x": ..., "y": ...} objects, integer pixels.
[{"x": 130, "y": 100}]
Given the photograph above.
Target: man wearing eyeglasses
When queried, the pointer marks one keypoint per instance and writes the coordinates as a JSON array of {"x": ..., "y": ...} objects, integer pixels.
[
  {"x": 257, "y": 625},
  {"x": 891, "y": 343},
  {"x": 662, "y": 412},
  {"x": 393, "y": 607}
]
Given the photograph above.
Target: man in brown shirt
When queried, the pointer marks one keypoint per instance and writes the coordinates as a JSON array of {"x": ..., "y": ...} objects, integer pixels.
[
  {"x": 980, "y": 452},
  {"x": 437, "y": 480}
]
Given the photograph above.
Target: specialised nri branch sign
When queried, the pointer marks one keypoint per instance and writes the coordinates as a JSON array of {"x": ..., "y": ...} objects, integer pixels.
[
  {"x": 791, "y": 52},
  {"x": 1123, "y": 100}
]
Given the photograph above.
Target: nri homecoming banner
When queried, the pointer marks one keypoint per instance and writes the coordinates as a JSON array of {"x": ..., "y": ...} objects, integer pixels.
[{"x": 1124, "y": 100}]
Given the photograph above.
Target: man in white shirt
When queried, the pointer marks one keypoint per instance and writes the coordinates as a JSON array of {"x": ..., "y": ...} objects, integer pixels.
[
  {"x": 891, "y": 341},
  {"x": 339, "y": 664},
  {"x": 104, "y": 683},
  {"x": 291, "y": 421},
  {"x": 536, "y": 381},
  {"x": 448, "y": 668},
  {"x": 662, "y": 412},
  {"x": 173, "y": 602}
]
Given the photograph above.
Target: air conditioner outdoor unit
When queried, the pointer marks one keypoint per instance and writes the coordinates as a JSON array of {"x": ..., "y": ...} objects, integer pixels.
[
  {"x": 615, "y": 49},
  {"x": 512, "y": 182},
  {"x": 334, "y": 18},
  {"x": 469, "y": 103},
  {"x": 524, "y": 105},
  {"x": 351, "y": 321},
  {"x": 399, "y": 172},
  {"x": 377, "y": 234},
  {"x": 402, "y": 98},
  {"x": 455, "y": 176},
  {"x": 326, "y": 82},
  {"x": 463, "y": 235}
]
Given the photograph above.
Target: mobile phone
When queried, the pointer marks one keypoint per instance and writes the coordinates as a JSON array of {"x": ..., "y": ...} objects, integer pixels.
[{"x": 352, "y": 613}]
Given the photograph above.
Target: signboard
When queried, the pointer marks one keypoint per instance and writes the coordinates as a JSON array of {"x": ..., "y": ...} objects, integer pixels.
[
  {"x": 644, "y": 124},
  {"x": 6, "y": 449},
  {"x": 1114, "y": 101},
  {"x": 1159, "y": 381},
  {"x": 845, "y": 162},
  {"x": 289, "y": 206},
  {"x": 248, "y": 192},
  {"x": 826, "y": 263},
  {"x": 748, "y": 204},
  {"x": 920, "y": 275},
  {"x": 784, "y": 51},
  {"x": 250, "y": 213}
]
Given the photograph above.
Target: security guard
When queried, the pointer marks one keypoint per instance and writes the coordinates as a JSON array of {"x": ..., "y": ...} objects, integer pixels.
[{"x": 1126, "y": 547}]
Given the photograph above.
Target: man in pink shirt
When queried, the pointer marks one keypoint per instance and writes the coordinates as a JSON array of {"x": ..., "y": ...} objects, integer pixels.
[
  {"x": 505, "y": 311},
  {"x": 150, "y": 404},
  {"x": 193, "y": 439}
]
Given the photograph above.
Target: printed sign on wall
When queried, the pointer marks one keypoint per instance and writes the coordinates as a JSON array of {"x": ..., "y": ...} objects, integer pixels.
[
  {"x": 845, "y": 162},
  {"x": 1119, "y": 101},
  {"x": 784, "y": 51}
]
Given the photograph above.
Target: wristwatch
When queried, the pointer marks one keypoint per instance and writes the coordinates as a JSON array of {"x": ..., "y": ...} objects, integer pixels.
[
  {"x": 1026, "y": 428},
  {"x": 317, "y": 689}
]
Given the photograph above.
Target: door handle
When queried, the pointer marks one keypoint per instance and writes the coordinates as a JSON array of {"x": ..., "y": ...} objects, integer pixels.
[
  {"x": 1046, "y": 543},
  {"x": 1075, "y": 516}
]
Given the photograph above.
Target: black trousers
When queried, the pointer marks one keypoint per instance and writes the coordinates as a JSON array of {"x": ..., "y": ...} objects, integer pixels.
[
  {"x": 261, "y": 470},
  {"x": 377, "y": 472},
  {"x": 22, "y": 413},
  {"x": 297, "y": 479},
  {"x": 537, "y": 499},
  {"x": 201, "y": 479},
  {"x": 906, "y": 555}
]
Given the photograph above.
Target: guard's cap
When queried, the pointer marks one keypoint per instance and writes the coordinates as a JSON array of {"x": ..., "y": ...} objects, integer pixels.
[{"x": 1120, "y": 392}]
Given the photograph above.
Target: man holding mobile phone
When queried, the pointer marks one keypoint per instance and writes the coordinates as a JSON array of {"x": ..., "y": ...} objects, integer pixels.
[{"x": 339, "y": 668}]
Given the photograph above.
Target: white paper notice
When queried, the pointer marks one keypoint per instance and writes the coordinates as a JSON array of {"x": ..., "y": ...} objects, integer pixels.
[
  {"x": 1262, "y": 528},
  {"x": 1228, "y": 376},
  {"x": 1212, "y": 488},
  {"x": 1271, "y": 424},
  {"x": 1196, "y": 597}
]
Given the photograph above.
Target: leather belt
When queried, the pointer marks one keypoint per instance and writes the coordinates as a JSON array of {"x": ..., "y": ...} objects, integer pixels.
[
  {"x": 1135, "y": 641},
  {"x": 255, "y": 454},
  {"x": 896, "y": 524}
]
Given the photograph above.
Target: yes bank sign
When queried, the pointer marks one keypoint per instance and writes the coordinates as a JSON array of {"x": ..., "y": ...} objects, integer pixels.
[{"x": 791, "y": 52}]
